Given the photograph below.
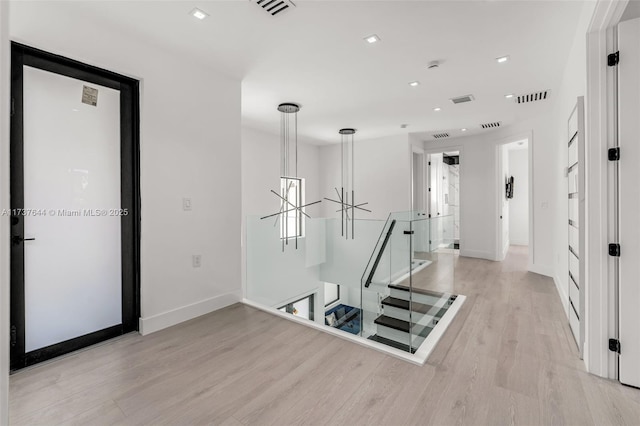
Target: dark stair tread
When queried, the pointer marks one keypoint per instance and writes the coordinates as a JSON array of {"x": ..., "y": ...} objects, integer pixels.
[
  {"x": 416, "y": 290},
  {"x": 401, "y": 325},
  {"x": 404, "y": 304},
  {"x": 391, "y": 343}
]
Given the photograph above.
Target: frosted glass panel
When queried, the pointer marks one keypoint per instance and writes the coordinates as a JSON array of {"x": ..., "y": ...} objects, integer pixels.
[{"x": 71, "y": 176}]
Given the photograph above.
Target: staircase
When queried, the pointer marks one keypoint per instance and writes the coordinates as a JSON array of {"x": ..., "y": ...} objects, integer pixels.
[{"x": 404, "y": 323}]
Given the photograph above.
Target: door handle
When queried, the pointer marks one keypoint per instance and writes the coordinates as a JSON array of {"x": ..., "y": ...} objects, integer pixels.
[{"x": 17, "y": 239}]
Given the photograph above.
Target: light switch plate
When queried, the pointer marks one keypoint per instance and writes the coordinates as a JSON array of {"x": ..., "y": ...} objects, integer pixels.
[
  {"x": 186, "y": 204},
  {"x": 197, "y": 260}
]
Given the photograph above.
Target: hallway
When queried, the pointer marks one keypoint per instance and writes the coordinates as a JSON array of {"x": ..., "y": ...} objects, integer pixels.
[{"x": 508, "y": 358}]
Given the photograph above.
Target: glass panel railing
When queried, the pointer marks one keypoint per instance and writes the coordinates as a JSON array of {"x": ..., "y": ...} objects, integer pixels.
[
  {"x": 432, "y": 278},
  {"x": 391, "y": 284},
  {"x": 277, "y": 277}
]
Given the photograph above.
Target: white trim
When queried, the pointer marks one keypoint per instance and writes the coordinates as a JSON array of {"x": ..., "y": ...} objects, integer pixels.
[
  {"x": 460, "y": 150},
  {"x": 528, "y": 136},
  {"x": 185, "y": 313},
  {"x": 564, "y": 298},
  {"x": 479, "y": 254},
  {"x": 421, "y": 153},
  {"x": 600, "y": 304},
  {"x": 542, "y": 270},
  {"x": 419, "y": 358}
]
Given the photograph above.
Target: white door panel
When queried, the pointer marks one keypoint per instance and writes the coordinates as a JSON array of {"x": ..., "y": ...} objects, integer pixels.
[
  {"x": 73, "y": 275},
  {"x": 629, "y": 182}
]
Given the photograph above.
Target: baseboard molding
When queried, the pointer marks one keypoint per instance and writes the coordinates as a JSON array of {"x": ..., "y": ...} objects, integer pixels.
[
  {"x": 519, "y": 243},
  {"x": 563, "y": 295},
  {"x": 480, "y": 254},
  {"x": 185, "y": 313},
  {"x": 542, "y": 270}
]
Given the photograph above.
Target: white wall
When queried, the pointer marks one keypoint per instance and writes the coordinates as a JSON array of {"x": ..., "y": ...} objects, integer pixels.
[
  {"x": 519, "y": 204},
  {"x": 574, "y": 83},
  {"x": 190, "y": 147},
  {"x": 4, "y": 204},
  {"x": 382, "y": 176}
]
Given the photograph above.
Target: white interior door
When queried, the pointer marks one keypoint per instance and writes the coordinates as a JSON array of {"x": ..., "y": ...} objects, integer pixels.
[
  {"x": 72, "y": 270},
  {"x": 629, "y": 181}
]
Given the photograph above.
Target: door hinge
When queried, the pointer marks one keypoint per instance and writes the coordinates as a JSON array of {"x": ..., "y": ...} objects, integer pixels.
[
  {"x": 429, "y": 162},
  {"x": 614, "y": 345},
  {"x": 14, "y": 335},
  {"x": 429, "y": 189},
  {"x": 408, "y": 232},
  {"x": 613, "y": 59},
  {"x": 429, "y": 241},
  {"x": 614, "y": 250},
  {"x": 429, "y": 214},
  {"x": 614, "y": 154}
]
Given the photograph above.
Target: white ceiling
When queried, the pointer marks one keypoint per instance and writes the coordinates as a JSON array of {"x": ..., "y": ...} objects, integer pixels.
[{"x": 315, "y": 55}]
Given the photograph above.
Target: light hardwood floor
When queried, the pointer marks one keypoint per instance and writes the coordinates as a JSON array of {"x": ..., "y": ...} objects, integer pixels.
[{"x": 508, "y": 358}]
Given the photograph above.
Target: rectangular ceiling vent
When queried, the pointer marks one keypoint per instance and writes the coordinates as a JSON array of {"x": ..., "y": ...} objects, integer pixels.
[
  {"x": 491, "y": 125},
  {"x": 274, "y": 7},
  {"x": 441, "y": 135},
  {"x": 462, "y": 99},
  {"x": 532, "y": 97}
]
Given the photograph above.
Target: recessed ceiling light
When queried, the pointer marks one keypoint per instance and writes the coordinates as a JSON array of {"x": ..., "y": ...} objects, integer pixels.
[
  {"x": 502, "y": 59},
  {"x": 437, "y": 109},
  {"x": 372, "y": 39},
  {"x": 464, "y": 130},
  {"x": 414, "y": 83},
  {"x": 509, "y": 96},
  {"x": 197, "y": 13}
]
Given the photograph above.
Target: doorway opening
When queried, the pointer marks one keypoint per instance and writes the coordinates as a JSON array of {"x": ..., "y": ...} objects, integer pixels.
[
  {"x": 443, "y": 178},
  {"x": 513, "y": 196},
  {"x": 75, "y": 222}
]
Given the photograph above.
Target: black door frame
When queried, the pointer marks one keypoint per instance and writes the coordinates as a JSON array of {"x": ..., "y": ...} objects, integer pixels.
[{"x": 130, "y": 198}]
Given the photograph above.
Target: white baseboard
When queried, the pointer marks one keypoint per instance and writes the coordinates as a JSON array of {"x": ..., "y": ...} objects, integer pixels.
[
  {"x": 563, "y": 295},
  {"x": 176, "y": 316},
  {"x": 519, "y": 242},
  {"x": 542, "y": 270},
  {"x": 480, "y": 254}
]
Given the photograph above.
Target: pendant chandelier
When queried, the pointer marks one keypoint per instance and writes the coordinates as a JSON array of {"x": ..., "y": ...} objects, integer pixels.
[
  {"x": 290, "y": 194},
  {"x": 347, "y": 193}
]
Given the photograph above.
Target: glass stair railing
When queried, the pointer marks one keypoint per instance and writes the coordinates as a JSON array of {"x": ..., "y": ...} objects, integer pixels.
[{"x": 394, "y": 280}]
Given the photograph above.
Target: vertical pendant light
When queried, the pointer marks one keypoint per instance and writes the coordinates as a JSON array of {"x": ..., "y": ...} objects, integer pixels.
[
  {"x": 347, "y": 160},
  {"x": 289, "y": 176},
  {"x": 347, "y": 193}
]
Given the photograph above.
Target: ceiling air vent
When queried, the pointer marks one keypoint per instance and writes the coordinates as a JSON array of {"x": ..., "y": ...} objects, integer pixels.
[
  {"x": 462, "y": 99},
  {"x": 532, "y": 97},
  {"x": 441, "y": 135},
  {"x": 275, "y": 7},
  {"x": 490, "y": 125}
]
